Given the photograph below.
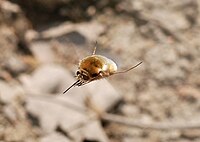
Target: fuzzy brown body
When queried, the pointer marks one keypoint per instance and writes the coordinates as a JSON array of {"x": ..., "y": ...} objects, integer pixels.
[{"x": 97, "y": 67}]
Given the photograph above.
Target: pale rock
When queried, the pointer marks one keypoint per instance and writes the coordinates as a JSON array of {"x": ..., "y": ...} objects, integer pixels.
[
  {"x": 92, "y": 131},
  {"x": 15, "y": 65},
  {"x": 91, "y": 30},
  {"x": 104, "y": 96},
  {"x": 42, "y": 51},
  {"x": 10, "y": 113},
  {"x": 88, "y": 30},
  {"x": 54, "y": 137},
  {"x": 133, "y": 139},
  {"x": 48, "y": 78},
  {"x": 52, "y": 113},
  {"x": 9, "y": 93},
  {"x": 130, "y": 110}
]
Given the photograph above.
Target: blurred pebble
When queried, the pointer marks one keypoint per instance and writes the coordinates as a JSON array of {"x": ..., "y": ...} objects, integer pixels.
[
  {"x": 70, "y": 121},
  {"x": 93, "y": 131},
  {"x": 194, "y": 78},
  {"x": 10, "y": 7},
  {"x": 133, "y": 139},
  {"x": 130, "y": 110},
  {"x": 52, "y": 113},
  {"x": 46, "y": 79},
  {"x": 189, "y": 92},
  {"x": 4, "y": 75},
  {"x": 104, "y": 96},
  {"x": 54, "y": 137},
  {"x": 163, "y": 68},
  {"x": 91, "y": 30},
  {"x": 10, "y": 113},
  {"x": 15, "y": 65},
  {"x": 167, "y": 55},
  {"x": 179, "y": 21},
  {"x": 10, "y": 92},
  {"x": 42, "y": 51},
  {"x": 191, "y": 134}
]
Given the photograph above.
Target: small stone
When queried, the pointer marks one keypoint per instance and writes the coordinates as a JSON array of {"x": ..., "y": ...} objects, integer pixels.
[
  {"x": 189, "y": 92},
  {"x": 47, "y": 79},
  {"x": 11, "y": 7},
  {"x": 54, "y": 137},
  {"x": 15, "y": 65},
  {"x": 166, "y": 16},
  {"x": 133, "y": 139},
  {"x": 10, "y": 113},
  {"x": 90, "y": 30},
  {"x": 52, "y": 113},
  {"x": 104, "y": 96},
  {"x": 10, "y": 92},
  {"x": 91, "y": 132},
  {"x": 130, "y": 110},
  {"x": 42, "y": 51},
  {"x": 191, "y": 134}
]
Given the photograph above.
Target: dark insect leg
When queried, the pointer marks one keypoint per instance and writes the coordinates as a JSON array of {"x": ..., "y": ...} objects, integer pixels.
[{"x": 74, "y": 84}]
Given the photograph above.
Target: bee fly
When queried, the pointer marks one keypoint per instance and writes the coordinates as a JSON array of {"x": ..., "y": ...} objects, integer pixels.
[{"x": 95, "y": 67}]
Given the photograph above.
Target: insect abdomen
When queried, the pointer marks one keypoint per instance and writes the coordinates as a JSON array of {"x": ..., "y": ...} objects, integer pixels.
[{"x": 107, "y": 64}]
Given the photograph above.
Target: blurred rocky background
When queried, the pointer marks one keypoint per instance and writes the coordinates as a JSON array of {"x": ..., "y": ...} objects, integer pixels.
[{"x": 41, "y": 43}]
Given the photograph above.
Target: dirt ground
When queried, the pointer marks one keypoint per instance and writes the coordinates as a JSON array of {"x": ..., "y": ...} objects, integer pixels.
[{"x": 41, "y": 43}]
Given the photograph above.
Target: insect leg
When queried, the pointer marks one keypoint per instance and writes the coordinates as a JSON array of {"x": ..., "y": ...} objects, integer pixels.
[
  {"x": 82, "y": 83},
  {"x": 79, "y": 84},
  {"x": 128, "y": 69},
  {"x": 74, "y": 84},
  {"x": 95, "y": 47}
]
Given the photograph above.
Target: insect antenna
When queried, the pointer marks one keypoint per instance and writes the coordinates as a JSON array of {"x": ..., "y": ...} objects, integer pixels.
[
  {"x": 74, "y": 84},
  {"x": 128, "y": 69},
  {"x": 95, "y": 47}
]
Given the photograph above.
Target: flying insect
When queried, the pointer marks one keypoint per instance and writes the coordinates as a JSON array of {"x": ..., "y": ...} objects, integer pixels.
[{"x": 95, "y": 67}]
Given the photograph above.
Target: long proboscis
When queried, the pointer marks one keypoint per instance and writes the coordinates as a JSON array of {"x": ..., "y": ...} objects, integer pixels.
[
  {"x": 128, "y": 69},
  {"x": 74, "y": 84}
]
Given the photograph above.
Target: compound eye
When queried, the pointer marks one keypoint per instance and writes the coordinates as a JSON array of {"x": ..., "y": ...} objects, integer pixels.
[
  {"x": 77, "y": 73},
  {"x": 85, "y": 77},
  {"x": 94, "y": 74}
]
